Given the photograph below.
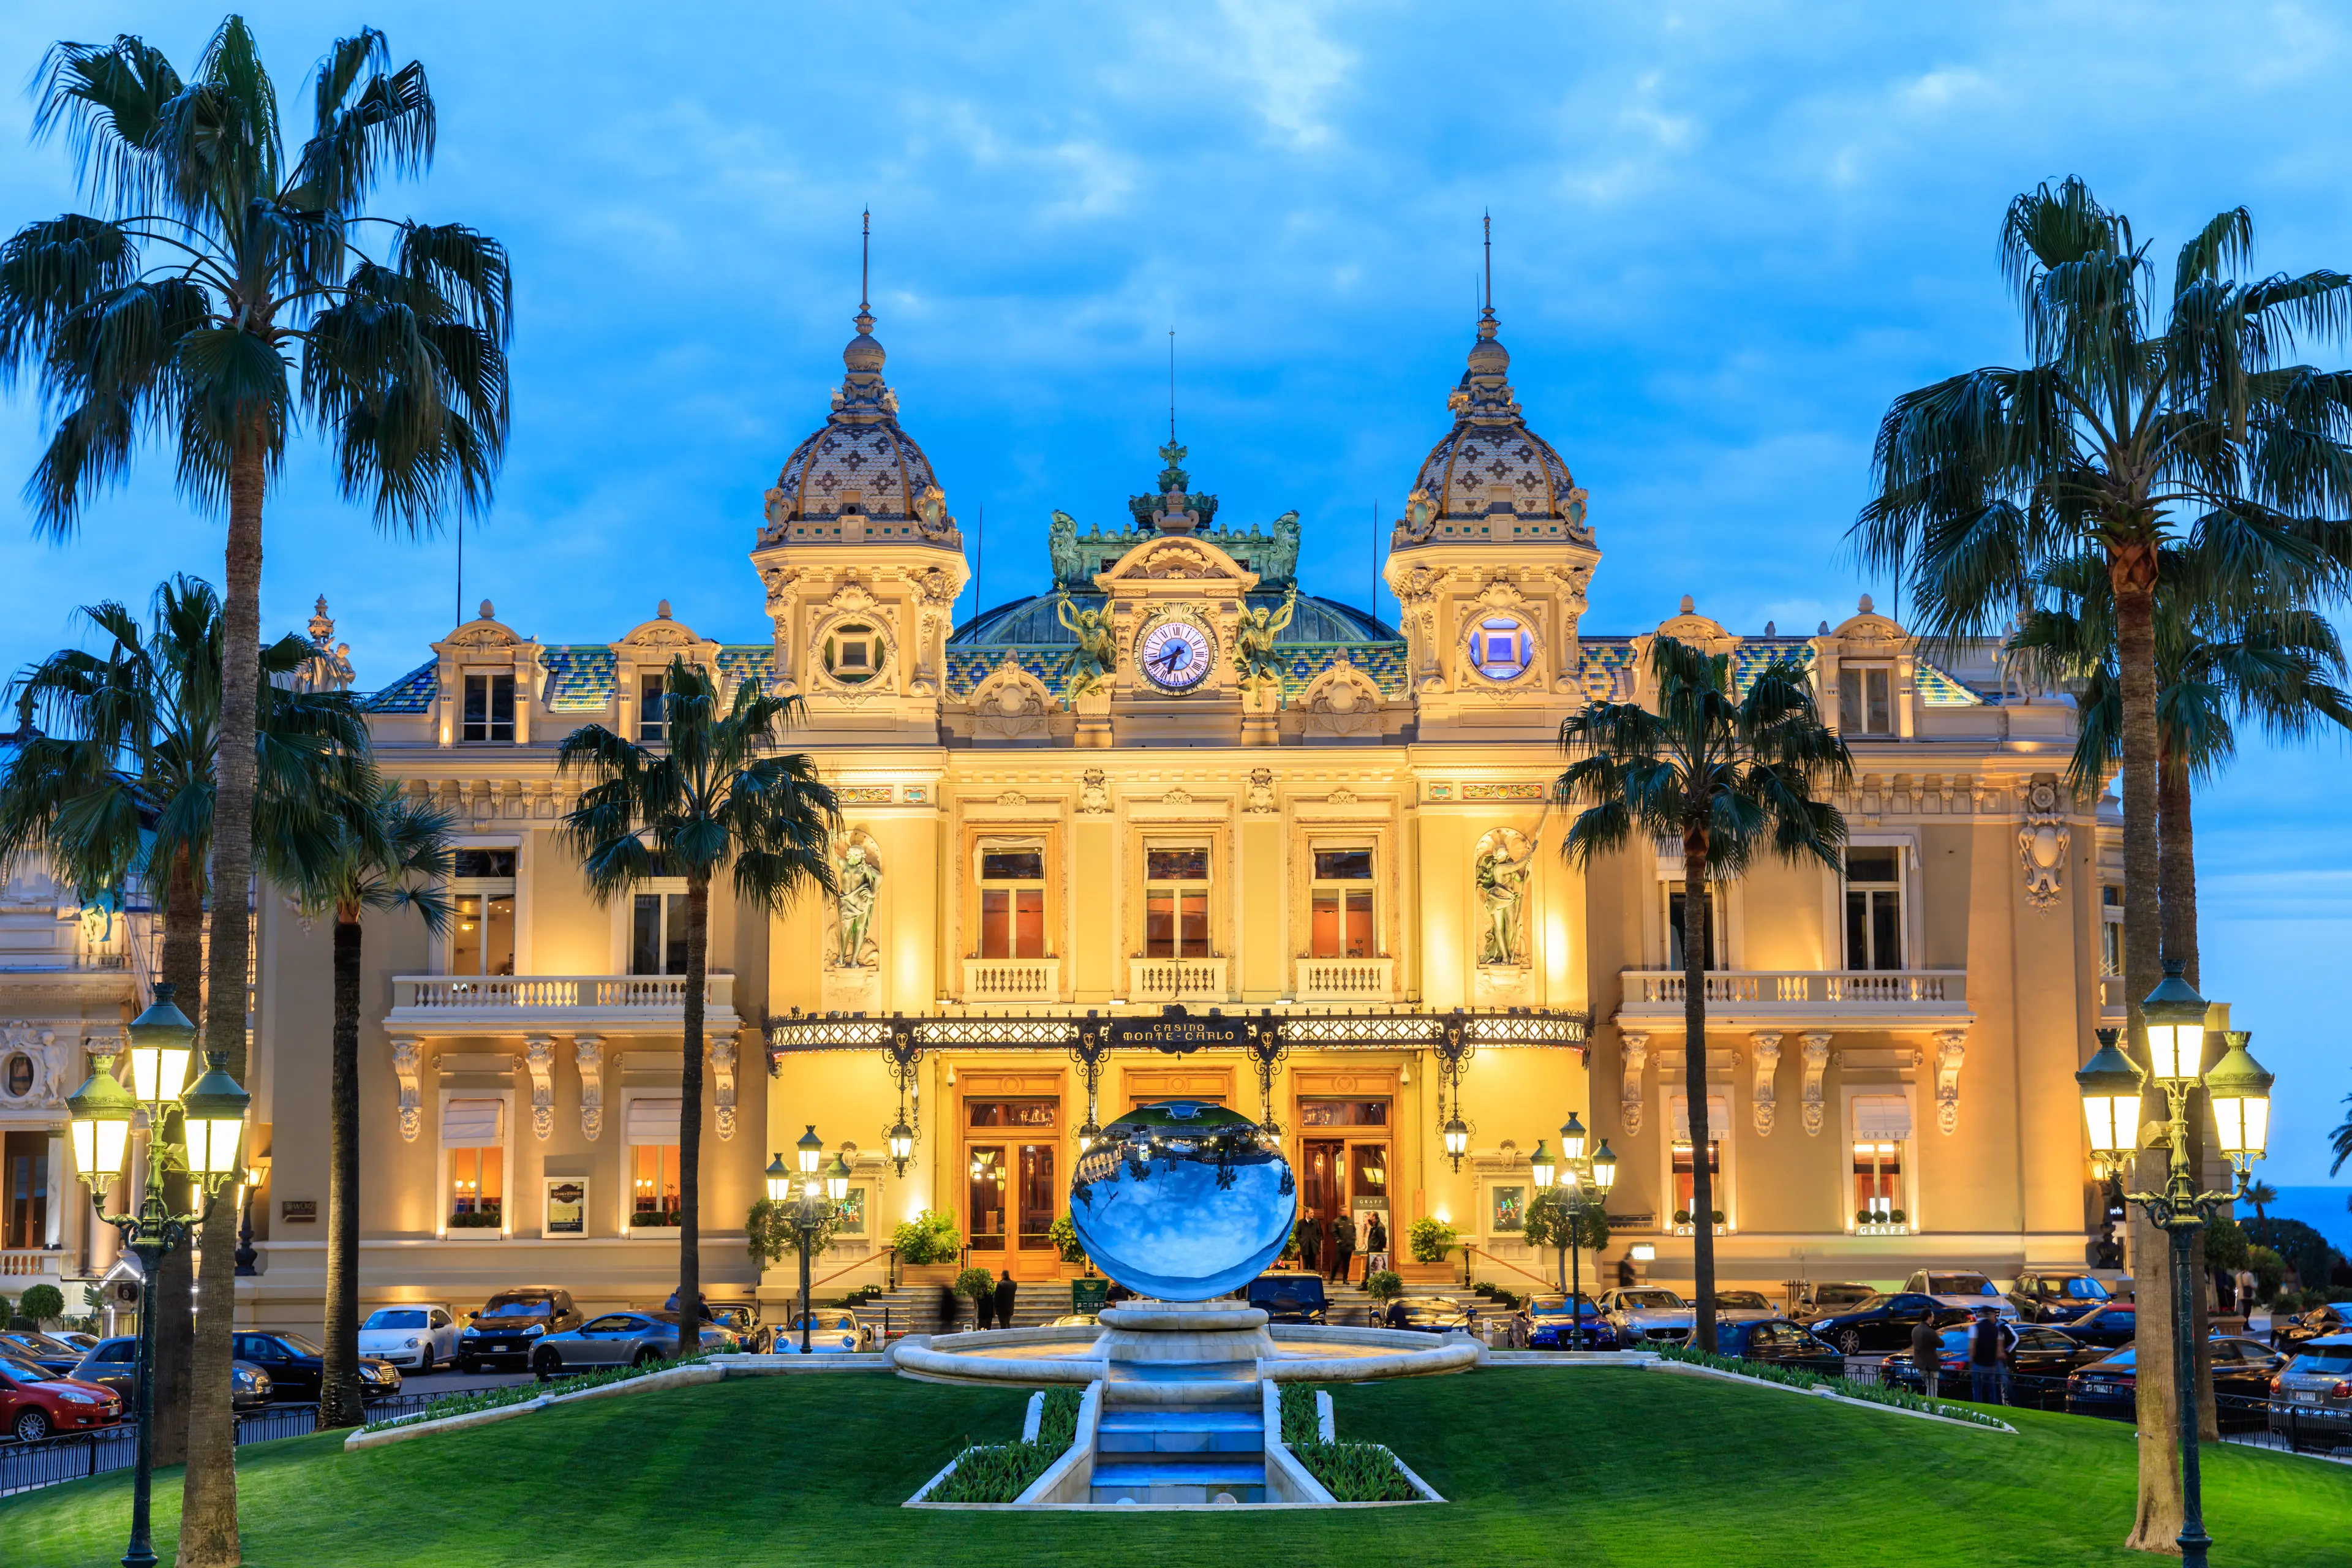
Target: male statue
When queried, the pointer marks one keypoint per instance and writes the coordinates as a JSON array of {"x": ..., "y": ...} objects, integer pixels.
[{"x": 860, "y": 879}]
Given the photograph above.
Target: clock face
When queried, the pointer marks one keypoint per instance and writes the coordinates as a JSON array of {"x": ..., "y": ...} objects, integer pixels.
[{"x": 1175, "y": 656}]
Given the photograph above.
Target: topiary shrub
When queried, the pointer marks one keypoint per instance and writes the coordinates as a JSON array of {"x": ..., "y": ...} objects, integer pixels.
[
  {"x": 975, "y": 1283},
  {"x": 928, "y": 1238},
  {"x": 43, "y": 1304},
  {"x": 1431, "y": 1239},
  {"x": 1064, "y": 1234},
  {"x": 1385, "y": 1283}
]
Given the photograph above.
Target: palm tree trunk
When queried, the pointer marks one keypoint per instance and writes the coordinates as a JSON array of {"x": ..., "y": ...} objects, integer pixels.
[
  {"x": 690, "y": 1122},
  {"x": 208, "y": 1537},
  {"x": 340, "y": 1403},
  {"x": 1694, "y": 932},
  {"x": 2175, "y": 855},
  {"x": 176, "y": 1326},
  {"x": 2158, "y": 1522}
]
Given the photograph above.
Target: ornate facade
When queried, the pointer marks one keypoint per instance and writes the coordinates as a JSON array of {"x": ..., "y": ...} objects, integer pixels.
[{"x": 1176, "y": 780}]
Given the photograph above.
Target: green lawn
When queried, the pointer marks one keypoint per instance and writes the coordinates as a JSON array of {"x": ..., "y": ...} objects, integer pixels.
[{"x": 1592, "y": 1467}]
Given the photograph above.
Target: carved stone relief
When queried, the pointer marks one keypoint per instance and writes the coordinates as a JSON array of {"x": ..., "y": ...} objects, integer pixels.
[
  {"x": 408, "y": 1061},
  {"x": 722, "y": 1053},
  {"x": 1817, "y": 1062},
  {"x": 588, "y": 1053},
  {"x": 1094, "y": 792},
  {"x": 1342, "y": 701},
  {"x": 1951, "y": 1047},
  {"x": 2041, "y": 840},
  {"x": 1634, "y": 1048},
  {"x": 539, "y": 1055},
  {"x": 1767, "y": 1092},
  {"x": 1260, "y": 800}
]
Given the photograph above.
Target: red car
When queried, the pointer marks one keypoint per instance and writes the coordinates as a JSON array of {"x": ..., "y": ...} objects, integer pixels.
[{"x": 35, "y": 1403}]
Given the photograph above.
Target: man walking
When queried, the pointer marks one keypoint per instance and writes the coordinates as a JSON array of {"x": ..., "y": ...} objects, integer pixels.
[
  {"x": 1987, "y": 1372},
  {"x": 1006, "y": 1291},
  {"x": 1928, "y": 1354},
  {"x": 1343, "y": 1247}
]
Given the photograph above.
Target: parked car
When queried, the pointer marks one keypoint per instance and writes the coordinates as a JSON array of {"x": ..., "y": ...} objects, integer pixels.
[
  {"x": 76, "y": 1338},
  {"x": 2312, "y": 1396},
  {"x": 1742, "y": 1307},
  {"x": 2111, "y": 1323},
  {"x": 1549, "y": 1321},
  {"x": 834, "y": 1331},
  {"x": 35, "y": 1403},
  {"x": 45, "y": 1351},
  {"x": 114, "y": 1362},
  {"x": 2109, "y": 1388},
  {"x": 1884, "y": 1321},
  {"x": 1778, "y": 1342},
  {"x": 2058, "y": 1298},
  {"x": 510, "y": 1323},
  {"x": 2320, "y": 1322},
  {"x": 1427, "y": 1314},
  {"x": 1646, "y": 1313},
  {"x": 296, "y": 1366},
  {"x": 1811, "y": 1298},
  {"x": 419, "y": 1338},
  {"x": 1972, "y": 1291},
  {"x": 1291, "y": 1298},
  {"x": 739, "y": 1315},
  {"x": 2040, "y": 1358},
  {"x": 1074, "y": 1321},
  {"x": 617, "y": 1339}
]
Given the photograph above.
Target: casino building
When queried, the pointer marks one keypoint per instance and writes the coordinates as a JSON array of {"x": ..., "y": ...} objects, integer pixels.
[{"x": 1175, "y": 779}]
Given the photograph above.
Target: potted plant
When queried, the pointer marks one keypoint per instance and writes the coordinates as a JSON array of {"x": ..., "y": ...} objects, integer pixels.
[
  {"x": 973, "y": 1283},
  {"x": 1429, "y": 1239},
  {"x": 1681, "y": 1217},
  {"x": 928, "y": 1247},
  {"x": 1064, "y": 1234},
  {"x": 1383, "y": 1285}
]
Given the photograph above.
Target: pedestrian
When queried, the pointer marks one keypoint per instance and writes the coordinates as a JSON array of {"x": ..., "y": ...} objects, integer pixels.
[
  {"x": 1928, "y": 1354},
  {"x": 1625, "y": 1274},
  {"x": 1006, "y": 1291},
  {"x": 1396, "y": 1312},
  {"x": 1987, "y": 1371},
  {"x": 1310, "y": 1243},
  {"x": 1376, "y": 1246},
  {"x": 983, "y": 1304},
  {"x": 950, "y": 1310},
  {"x": 1343, "y": 1247}
]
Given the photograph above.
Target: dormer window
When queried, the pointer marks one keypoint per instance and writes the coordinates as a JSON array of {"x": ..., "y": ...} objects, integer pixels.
[
  {"x": 651, "y": 710},
  {"x": 1500, "y": 649},
  {"x": 1865, "y": 699},
  {"x": 853, "y": 654},
  {"x": 489, "y": 708}
]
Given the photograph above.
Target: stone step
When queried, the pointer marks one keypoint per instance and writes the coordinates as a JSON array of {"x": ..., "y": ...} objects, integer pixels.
[
  {"x": 1181, "y": 1429},
  {"x": 1181, "y": 1420},
  {"x": 1168, "y": 1478}
]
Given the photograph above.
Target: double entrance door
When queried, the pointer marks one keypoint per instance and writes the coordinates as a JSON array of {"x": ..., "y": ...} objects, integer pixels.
[
  {"x": 1011, "y": 1190},
  {"x": 1341, "y": 1177}
]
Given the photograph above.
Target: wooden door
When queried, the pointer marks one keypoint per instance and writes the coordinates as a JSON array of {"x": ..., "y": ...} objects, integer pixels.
[{"x": 1323, "y": 1194}]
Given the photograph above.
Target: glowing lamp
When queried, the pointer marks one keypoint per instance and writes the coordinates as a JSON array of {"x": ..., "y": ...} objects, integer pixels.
[
  {"x": 2176, "y": 1026},
  {"x": 212, "y": 1121},
  {"x": 101, "y": 1112},
  {"x": 1604, "y": 1168},
  {"x": 161, "y": 1042},
  {"x": 1572, "y": 1138},
  {"x": 2110, "y": 1086},
  {"x": 836, "y": 1179},
  {"x": 810, "y": 1148},
  {"x": 1540, "y": 1166},
  {"x": 780, "y": 1180},
  {"x": 2241, "y": 1092}
]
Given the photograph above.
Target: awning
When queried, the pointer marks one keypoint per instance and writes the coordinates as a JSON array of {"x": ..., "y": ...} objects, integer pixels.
[
  {"x": 1885, "y": 1116},
  {"x": 1719, "y": 1118},
  {"x": 654, "y": 1120},
  {"x": 473, "y": 1124}
]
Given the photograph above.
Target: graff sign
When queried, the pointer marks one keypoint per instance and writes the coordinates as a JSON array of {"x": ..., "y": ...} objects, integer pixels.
[{"x": 1177, "y": 1036}]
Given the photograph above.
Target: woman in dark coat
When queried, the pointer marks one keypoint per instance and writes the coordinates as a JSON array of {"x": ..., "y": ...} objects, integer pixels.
[{"x": 1310, "y": 1243}]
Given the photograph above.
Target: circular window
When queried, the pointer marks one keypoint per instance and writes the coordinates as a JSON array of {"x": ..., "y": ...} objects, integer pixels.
[
  {"x": 854, "y": 653},
  {"x": 20, "y": 1076},
  {"x": 1500, "y": 649}
]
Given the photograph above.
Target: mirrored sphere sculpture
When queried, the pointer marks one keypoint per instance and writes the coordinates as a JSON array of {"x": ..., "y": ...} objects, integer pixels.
[{"x": 1183, "y": 1201}]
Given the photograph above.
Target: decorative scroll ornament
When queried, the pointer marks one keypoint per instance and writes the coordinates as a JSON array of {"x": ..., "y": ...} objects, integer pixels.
[
  {"x": 408, "y": 1061},
  {"x": 588, "y": 1052},
  {"x": 539, "y": 1055},
  {"x": 1094, "y": 792},
  {"x": 1817, "y": 1061},
  {"x": 2042, "y": 841},
  {"x": 1951, "y": 1048},
  {"x": 1634, "y": 1048},
  {"x": 1766, "y": 1099},
  {"x": 1260, "y": 799},
  {"x": 722, "y": 1081}
]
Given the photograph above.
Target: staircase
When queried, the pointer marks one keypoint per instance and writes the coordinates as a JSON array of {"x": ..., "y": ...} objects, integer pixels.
[
  {"x": 1175, "y": 1432},
  {"x": 915, "y": 1310}
]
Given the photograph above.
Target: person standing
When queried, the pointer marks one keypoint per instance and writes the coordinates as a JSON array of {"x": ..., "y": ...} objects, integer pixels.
[
  {"x": 1928, "y": 1354},
  {"x": 1343, "y": 1247},
  {"x": 1987, "y": 1372},
  {"x": 1006, "y": 1291},
  {"x": 950, "y": 1310},
  {"x": 1625, "y": 1280},
  {"x": 1310, "y": 1243},
  {"x": 1376, "y": 1245},
  {"x": 983, "y": 1305}
]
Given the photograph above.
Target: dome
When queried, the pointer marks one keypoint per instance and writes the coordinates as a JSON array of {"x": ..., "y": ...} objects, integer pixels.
[
  {"x": 1491, "y": 478},
  {"x": 1031, "y": 623},
  {"x": 859, "y": 463}
]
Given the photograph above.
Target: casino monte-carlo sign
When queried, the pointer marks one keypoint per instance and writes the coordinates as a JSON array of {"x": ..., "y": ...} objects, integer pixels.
[{"x": 1177, "y": 1034}]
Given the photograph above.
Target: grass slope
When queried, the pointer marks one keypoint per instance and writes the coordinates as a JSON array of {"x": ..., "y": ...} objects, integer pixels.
[{"x": 1602, "y": 1468}]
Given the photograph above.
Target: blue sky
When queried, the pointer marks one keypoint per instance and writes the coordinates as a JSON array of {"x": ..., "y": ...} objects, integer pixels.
[{"x": 1726, "y": 236}]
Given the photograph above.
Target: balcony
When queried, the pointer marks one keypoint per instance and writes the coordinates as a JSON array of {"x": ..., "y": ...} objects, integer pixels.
[
  {"x": 30, "y": 1262},
  {"x": 1001, "y": 981},
  {"x": 1844, "y": 998},
  {"x": 590, "y": 1004},
  {"x": 1343, "y": 979},
  {"x": 1176, "y": 980}
]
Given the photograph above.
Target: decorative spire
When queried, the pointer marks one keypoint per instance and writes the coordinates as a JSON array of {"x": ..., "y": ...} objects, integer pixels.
[
  {"x": 862, "y": 395},
  {"x": 1484, "y": 394}
]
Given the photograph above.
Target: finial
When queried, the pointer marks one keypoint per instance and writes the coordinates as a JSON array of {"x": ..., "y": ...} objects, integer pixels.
[
  {"x": 1688, "y": 604},
  {"x": 1172, "y": 387},
  {"x": 488, "y": 613},
  {"x": 1823, "y": 631},
  {"x": 1864, "y": 606},
  {"x": 865, "y": 260},
  {"x": 1489, "y": 223},
  {"x": 661, "y": 611}
]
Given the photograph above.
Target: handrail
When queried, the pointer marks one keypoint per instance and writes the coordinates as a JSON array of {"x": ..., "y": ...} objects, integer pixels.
[{"x": 1467, "y": 1249}]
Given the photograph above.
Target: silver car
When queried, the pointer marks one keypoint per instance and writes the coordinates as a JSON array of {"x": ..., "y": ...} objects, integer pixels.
[
  {"x": 618, "y": 1339},
  {"x": 1743, "y": 1307},
  {"x": 1970, "y": 1292},
  {"x": 1646, "y": 1313},
  {"x": 2311, "y": 1400},
  {"x": 831, "y": 1331}
]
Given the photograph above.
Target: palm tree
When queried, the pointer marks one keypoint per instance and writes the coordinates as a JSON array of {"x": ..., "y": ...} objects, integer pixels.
[
  {"x": 716, "y": 797},
  {"x": 1729, "y": 774},
  {"x": 389, "y": 853},
  {"x": 2119, "y": 428},
  {"x": 121, "y": 790},
  {"x": 182, "y": 308},
  {"x": 2261, "y": 1195}
]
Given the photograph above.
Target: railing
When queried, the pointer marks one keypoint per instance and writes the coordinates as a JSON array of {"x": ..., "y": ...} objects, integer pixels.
[
  {"x": 19, "y": 1262},
  {"x": 1005, "y": 980},
  {"x": 27, "y": 1467},
  {"x": 1798, "y": 991},
  {"x": 1176, "y": 979},
  {"x": 647, "y": 995},
  {"x": 1343, "y": 979}
]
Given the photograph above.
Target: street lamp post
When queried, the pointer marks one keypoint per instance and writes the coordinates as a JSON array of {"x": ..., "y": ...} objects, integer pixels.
[
  {"x": 2110, "y": 1084},
  {"x": 815, "y": 1198},
  {"x": 1584, "y": 1182},
  {"x": 212, "y": 1126}
]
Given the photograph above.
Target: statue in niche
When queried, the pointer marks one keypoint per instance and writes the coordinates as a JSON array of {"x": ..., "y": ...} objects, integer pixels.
[
  {"x": 1062, "y": 549},
  {"x": 1282, "y": 557},
  {"x": 1253, "y": 642},
  {"x": 1088, "y": 666},
  {"x": 1505, "y": 861},
  {"x": 858, "y": 877}
]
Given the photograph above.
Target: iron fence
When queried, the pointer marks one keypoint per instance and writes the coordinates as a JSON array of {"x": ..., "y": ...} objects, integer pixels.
[
  {"x": 2261, "y": 1422},
  {"x": 74, "y": 1457}
]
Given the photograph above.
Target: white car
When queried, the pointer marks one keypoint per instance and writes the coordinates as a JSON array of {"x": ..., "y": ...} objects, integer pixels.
[
  {"x": 1971, "y": 1292},
  {"x": 829, "y": 1333},
  {"x": 1646, "y": 1313},
  {"x": 417, "y": 1338}
]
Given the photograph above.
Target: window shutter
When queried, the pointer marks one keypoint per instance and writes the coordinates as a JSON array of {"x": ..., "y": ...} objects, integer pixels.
[
  {"x": 654, "y": 1120},
  {"x": 1719, "y": 1118},
  {"x": 473, "y": 1124},
  {"x": 1883, "y": 1116}
]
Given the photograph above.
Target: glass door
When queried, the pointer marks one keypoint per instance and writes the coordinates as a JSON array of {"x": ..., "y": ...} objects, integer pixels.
[
  {"x": 1040, "y": 1202},
  {"x": 1321, "y": 1197},
  {"x": 985, "y": 1201}
]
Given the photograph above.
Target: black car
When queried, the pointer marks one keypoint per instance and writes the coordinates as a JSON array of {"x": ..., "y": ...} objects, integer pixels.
[
  {"x": 1884, "y": 1321},
  {"x": 1810, "y": 1300},
  {"x": 2111, "y": 1323},
  {"x": 1780, "y": 1342},
  {"x": 1290, "y": 1298},
  {"x": 296, "y": 1366},
  {"x": 2039, "y": 1358},
  {"x": 510, "y": 1323},
  {"x": 1428, "y": 1315},
  {"x": 2242, "y": 1371},
  {"x": 115, "y": 1364},
  {"x": 2335, "y": 1318},
  {"x": 50, "y": 1355},
  {"x": 2058, "y": 1298}
]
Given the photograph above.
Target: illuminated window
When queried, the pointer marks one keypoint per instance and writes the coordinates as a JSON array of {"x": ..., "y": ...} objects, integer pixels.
[
  {"x": 651, "y": 710},
  {"x": 1012, "y": 904},
  {"x": 1685, "y": 1175},
  {"x": 653, "y": 1185},
  {"x": 1865, "y": 699},
  {"x": 853, "y": 653},
  {"x": 489, "y": 708},
  {"x": 1882, "y": 1126},
  {"x": 1500, "y": 649},
  {"x": 472, "y": 1137},
  {"x": 482, "y": 911},
  {"x": 24, "y": 1170},
  {"x": 2111, "y": 929},
  {"x": 1176, "y": 903},
  {"x": 1341, "y": 905},
  {"x": 1874, "y": 909},
  {"x": 657, "y": 933},
  {"x": 1711, "y": 918}
]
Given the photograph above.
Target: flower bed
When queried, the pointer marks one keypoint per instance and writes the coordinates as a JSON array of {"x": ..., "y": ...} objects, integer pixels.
[
  {"x": 471, "y": 1400},
  {"x": 1871, "y": 1393},
  {"x": 1352, "y": 1472},
  {"x": 1001, "y": 1472}
]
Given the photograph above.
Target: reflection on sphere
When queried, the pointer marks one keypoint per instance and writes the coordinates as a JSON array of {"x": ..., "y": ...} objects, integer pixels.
[{"x": 1183, "y": 1201}]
